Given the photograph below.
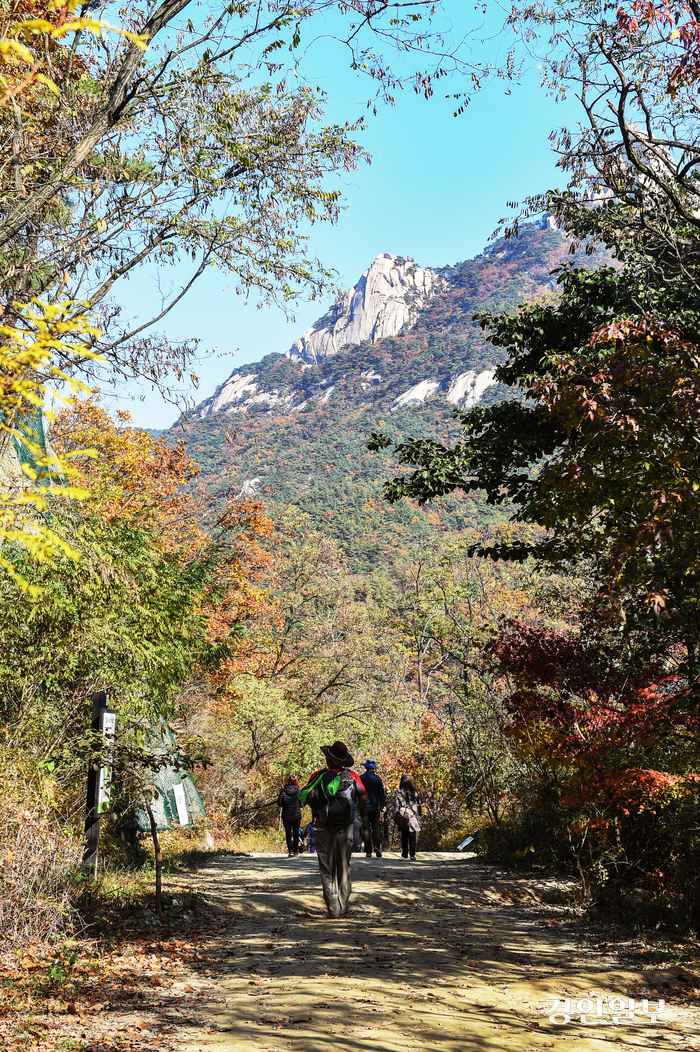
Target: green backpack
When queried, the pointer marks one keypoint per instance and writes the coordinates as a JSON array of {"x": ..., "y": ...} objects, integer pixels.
[{"x": 332, "y": 796}]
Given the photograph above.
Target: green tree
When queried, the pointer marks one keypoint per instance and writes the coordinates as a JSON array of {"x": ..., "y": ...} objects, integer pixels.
[
  {"x": 601, "y": 451},
  {"x": 452, "y": 609},
  {"x": 597, "y": 446},
  {"x": 188, "y": 135}
]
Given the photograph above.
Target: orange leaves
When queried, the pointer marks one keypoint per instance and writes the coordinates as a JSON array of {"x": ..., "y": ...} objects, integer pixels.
[
  {"x": 134, "y": 478},
  {"x": 635, "y": 332},
  {"x": 146, "y": 484},
  {"x": 677, "y": 24},
  {"x": 32, "y": 31}
]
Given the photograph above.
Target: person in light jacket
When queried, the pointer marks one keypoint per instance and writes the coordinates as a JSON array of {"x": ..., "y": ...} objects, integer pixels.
[
  {"x": 288, "y": 800},
  {"x": 407, "y": 812}
]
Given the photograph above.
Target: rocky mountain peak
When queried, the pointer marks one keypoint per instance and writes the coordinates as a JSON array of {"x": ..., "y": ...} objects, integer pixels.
[
  {"x": 390, "y": 293},
  {"x": 401, "y": 339}
]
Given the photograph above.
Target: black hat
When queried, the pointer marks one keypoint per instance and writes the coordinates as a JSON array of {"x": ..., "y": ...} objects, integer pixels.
[{"x": 338, "y": 753}]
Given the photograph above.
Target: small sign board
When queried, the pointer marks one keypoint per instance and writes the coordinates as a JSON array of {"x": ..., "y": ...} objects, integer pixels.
[
  {"x": 108, "y": 726},
  {"x": 465, "y": 843},
  {"x": 181, "y": 802}
]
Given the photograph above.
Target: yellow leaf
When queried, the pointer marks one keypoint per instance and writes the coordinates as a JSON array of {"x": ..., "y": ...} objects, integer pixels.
[{"x": 49, "y": 83}]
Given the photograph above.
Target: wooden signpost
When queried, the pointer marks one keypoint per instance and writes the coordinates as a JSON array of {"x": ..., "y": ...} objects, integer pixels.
[{"x": 99, "y": 779}]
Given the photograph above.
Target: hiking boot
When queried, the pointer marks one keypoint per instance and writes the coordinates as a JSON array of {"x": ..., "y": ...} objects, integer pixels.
[
  {"x": 405, "y": 858},
  {"x": 368, "y": 854},
  {"x": 378, "y": 854},
  {"x": 413, "y": 858}
]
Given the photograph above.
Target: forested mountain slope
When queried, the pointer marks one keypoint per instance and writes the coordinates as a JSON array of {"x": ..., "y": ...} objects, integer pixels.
[{"x": 295, "y": 431}]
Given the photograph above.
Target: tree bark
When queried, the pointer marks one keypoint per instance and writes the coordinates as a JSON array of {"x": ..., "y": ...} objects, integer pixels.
[
  {"x": 159, "y": 859},
  {"x": 108, "y": 118}
]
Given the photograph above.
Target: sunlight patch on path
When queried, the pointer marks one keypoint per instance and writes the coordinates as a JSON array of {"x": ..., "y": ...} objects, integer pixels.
[{"x": 444, "y": 954}]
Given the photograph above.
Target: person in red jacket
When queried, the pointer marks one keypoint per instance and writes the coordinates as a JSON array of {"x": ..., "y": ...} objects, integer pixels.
[{"x": 334, "y": 844}]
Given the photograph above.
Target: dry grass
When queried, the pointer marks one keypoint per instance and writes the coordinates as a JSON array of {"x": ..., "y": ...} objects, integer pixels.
[
  {"x": 39, "y": 871},
  {"x": 250, "y": 841}
]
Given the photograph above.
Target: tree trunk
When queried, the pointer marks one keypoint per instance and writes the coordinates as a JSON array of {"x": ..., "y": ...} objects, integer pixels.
[{"x": 159, "y": 860}]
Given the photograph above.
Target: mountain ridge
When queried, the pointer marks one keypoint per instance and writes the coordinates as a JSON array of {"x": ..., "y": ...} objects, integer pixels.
[
  {"x": 295, "y": 432},
  {"x": 387, "y": 296}
]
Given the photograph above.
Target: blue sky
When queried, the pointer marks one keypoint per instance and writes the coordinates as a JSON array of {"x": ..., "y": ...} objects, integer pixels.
[{"x": 435, "y": 190}]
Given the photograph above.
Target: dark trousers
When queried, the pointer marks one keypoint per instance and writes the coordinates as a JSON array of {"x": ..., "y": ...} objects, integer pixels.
[
  {"x": 370, "y": 827},
  {"x": 291, "y": 831},
  {"x": 408, "y": 841}
]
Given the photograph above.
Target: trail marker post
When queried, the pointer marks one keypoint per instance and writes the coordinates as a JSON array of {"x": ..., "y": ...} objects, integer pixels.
[{"x": 99, "y": 780}]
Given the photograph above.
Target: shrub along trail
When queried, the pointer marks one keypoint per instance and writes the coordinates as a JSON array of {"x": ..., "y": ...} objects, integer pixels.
[{"x": 442, "y": 954}]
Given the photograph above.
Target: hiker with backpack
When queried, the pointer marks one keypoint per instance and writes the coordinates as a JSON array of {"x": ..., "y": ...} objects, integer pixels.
[
  {"x": 373, "y": 809},
  {"x": 407, "y": 812},
  {"x": 288, "y": 800},
  {"x": 334, "y": 794}
]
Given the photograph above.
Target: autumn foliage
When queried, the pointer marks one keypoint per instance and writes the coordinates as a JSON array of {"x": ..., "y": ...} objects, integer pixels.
[
  {"x": 610, "y": 749},
  {"x": 145, "y": 483}
]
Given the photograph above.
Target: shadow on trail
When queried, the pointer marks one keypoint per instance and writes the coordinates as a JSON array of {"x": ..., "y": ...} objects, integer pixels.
[{"x": 430, "y": 956}]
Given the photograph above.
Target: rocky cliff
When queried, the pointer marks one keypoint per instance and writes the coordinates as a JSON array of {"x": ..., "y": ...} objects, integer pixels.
[{"x": 390, "y": 294}]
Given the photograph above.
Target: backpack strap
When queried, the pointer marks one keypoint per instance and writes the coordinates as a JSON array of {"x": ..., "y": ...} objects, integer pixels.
[
  {"x": 331, "y": 785},
  {"x": 309, "y": 788}
]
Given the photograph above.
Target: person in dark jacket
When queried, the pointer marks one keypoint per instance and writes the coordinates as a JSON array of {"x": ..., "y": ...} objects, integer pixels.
[
  {"x": 374, "y": 808},
  {"x": 288, "y": 800},
  {"x": 407, "y": 812}
]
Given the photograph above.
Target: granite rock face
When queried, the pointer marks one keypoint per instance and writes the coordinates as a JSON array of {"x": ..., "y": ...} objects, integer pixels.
[
  {"x": 464, "y": 390},
  {"x": 389, "y": 294},
  {"x": 467, "y": 388}
]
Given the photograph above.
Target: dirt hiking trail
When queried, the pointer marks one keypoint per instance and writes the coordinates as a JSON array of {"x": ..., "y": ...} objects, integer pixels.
[{"x": 443, "y": 953}]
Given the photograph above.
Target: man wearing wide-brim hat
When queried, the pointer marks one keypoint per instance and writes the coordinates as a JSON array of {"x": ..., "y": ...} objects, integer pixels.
[{"x": 333, "y": 845}]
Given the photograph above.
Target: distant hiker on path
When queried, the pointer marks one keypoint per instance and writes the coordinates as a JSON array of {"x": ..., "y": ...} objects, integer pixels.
[
  {"x": 334, "y": 795},
  {"x": 407, "y": 812},
  {"x": 310, "y": 837},
  {"x": 373, "y": 809},
  {"x": 357, "y": 834},
  {"x": 288, "y": 800}
]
